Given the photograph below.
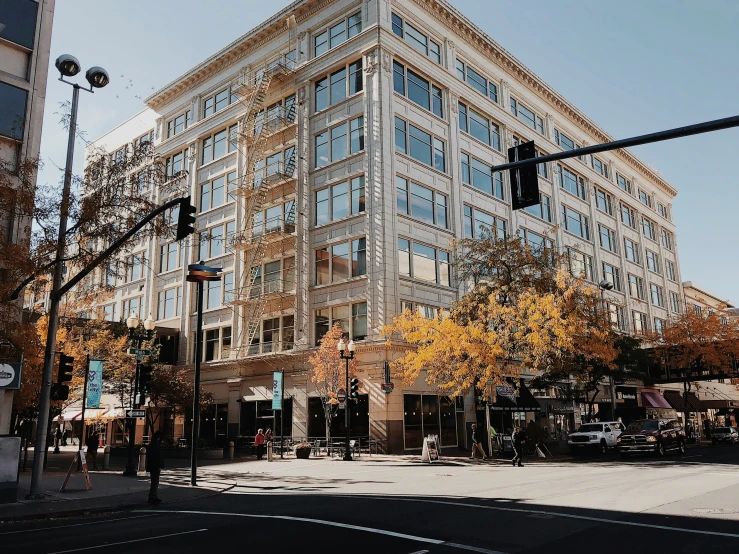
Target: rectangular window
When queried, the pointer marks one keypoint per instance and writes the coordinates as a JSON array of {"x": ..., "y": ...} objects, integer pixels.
[
  {"x": 481, "y": 176},
  {"x": 217, "y": 344},
  {"x": 168, "y": 303},
  {"x": 639, "y": 322},
  {"x": 543, "y": 209},
  {"x": 421, "y": 203},
  {"x": 356, "y": 135},
  {"x": 616, "y": 315},
  {"x": 535, "y": 241},
  {"x": 176, "y": 164},
  {"x": 351, "y": 318},
  {"x": 571, "y": 182},
  {"x": 581, "y": 265},
  {"x": 335, "y": 87},
  {"x": 652, "y": 261},
  {"x": 600, "y": 167},
  {"x": 657, "y": 294},
  {"x": 612, "y": 274},
  {"x": 217, "y": 102},
  {"x": 423, "y": 262},
  {"x": 670, "y": 271},
  {"x": 649, "y": 229},
  {"x": 575, "y": 223},
  {"x": 418, "y": 89},
  {"x": 213, "y": 296},
  {"x": 636, "y": 287},
  {"x": 178, "y": 124},
  {"x": 645, "y": 198},
  {"x": 418, "y": 40},
  {"x": 320, "y": 154},
  {"x": 212, "y": 194},
  {"x": 565, "y": 142},
  {"x": 667, "y": 241},
  {"x": 338, "y": 262},
  {"x": 212, "y": 243},
  {"x": 603, "y": 201},
  {"x": 337, "y": 34},
  {"x": 628, "y": 217},
  {"x": 662, "y": 210},
  {"x": 477, "y": 81},
  {"x": 623, "y": 183},
  {"x": 607, "y": 238},
  {"x": 169, "y": 257},
  {"x": 215, "y": 146},
  {"x": 13, "y": 101},
  {"x": 420, "y": 145},
  {"x": 631, "y": 251},
  {"x": 132, "y": 306},
  {"x": 479, "y": 126},
  {"x": 659, "y": 325},
  {"x": 479, "y": 224},
  {"x": 527, "y": 116},
  {"x": 675, "y": 304}
]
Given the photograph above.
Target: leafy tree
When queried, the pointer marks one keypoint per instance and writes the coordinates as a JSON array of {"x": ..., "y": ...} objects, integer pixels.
[{"x": 328, "y": 373}]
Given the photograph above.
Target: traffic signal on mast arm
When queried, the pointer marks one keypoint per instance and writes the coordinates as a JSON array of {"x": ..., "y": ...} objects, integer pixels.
[
  {"x": 354, "y": 388},
  {"x": 145, "y": 371},
  {"x": 186, "y": 218},
  {"x": 524, "y": 180},
  {"x": 65, "y": 368}
]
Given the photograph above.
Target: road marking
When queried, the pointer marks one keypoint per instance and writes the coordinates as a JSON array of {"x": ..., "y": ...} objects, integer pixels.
[
  {"x": 570, "y": 516},
  {"x": 70, "y": 525},
  {"x": 331, "y": 524},
  {"x": 104, "y": 544},
  {"x": 420, "y": 552}
]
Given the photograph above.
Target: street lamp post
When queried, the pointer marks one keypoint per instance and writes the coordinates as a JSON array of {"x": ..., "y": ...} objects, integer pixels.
[
  {"x": 136, "y": 338},
  {"x": 604, "y": 286},
  {"x": 97, "y": 77},
  {"x": 350, "y": 356}
]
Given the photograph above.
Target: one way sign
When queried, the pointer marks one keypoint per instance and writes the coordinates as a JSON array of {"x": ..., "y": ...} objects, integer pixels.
[{"x": 135, "y": 414}]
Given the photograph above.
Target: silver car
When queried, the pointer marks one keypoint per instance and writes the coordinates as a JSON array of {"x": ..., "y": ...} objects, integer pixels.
[{"x": 725, "y": 434}]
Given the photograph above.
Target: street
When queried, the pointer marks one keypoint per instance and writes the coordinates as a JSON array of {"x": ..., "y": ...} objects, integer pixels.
[{"x": 399, "y": 505}]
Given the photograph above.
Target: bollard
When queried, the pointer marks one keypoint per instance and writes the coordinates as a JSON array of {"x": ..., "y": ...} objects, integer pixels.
[
  {"x": 231, "y": 450},
  {"x": 106, "y": 458},
  {"x": 142, "y": 459},
  {"x": 269, "y": 451}
]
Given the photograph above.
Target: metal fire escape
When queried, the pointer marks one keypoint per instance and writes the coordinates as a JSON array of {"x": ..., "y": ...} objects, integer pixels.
[{"x": 263, "y": 180}]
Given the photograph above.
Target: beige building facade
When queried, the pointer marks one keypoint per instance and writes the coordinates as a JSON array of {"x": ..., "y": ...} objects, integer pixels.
[
  {"x": 333, "y": 152},
  {"x": 25, "y": 39}
]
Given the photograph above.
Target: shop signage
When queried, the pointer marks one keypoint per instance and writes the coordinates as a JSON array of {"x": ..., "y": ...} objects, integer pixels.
[
  {"x": 10, "y": 376},
  {"x": 277, "y": 390},
  {"x": 627, "y": 395},
  {"x": 94, "y": 384},
  {"x": 507, "y": 391}
]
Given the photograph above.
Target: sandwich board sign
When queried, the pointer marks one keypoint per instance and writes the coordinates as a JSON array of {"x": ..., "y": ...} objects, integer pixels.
[{"x": 430, "y": 451}]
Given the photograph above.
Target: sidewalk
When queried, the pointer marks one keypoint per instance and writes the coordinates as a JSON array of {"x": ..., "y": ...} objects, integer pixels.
[{"x": 111, "y": 491}]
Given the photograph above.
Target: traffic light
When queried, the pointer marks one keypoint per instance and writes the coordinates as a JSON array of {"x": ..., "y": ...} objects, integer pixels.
[
  {"x": 59, "y": 392},
  {"x": 65, "y": 368},
  {"x": 145, "y": 377},
  {"x": 354, "y": 388},
  {"x": 524, "y": 180},
  {"x": 186, "y": 219}
]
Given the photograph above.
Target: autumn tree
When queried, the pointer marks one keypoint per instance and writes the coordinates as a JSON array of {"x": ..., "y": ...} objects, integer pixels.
[
  {"x": 523, "y": 309},
  {"x": 328, "y": 373}
]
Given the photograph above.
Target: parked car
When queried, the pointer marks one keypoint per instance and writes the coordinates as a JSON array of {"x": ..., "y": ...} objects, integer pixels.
[
  {"x": 595, "y": 436},
  {"x": 725, "y": 434},
  {"x": 652, "y": 435}
]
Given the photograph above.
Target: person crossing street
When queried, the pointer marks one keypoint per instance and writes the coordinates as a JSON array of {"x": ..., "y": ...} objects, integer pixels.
[
  {"x": 519, "y": 438},
  {"x": 154, "y": 465},
  {"x": 476, "y": 444}
]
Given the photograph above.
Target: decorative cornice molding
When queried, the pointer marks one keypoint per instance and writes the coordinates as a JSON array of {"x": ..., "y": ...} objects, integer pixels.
[{"x": 450, "y": 17}]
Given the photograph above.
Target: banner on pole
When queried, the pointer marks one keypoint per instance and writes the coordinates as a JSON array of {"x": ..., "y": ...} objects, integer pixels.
[
  {"x": 277, "y": 390},
  {"x": 94, "y": 384}
]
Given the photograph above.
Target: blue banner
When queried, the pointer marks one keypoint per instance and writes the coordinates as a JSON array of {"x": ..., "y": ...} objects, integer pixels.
[
  {"x": 277, "y": 390},
  {"x": 94, "y": 384}
]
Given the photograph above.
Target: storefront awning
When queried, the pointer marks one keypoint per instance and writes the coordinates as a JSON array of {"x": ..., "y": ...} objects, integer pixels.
[
  {"x": 719, "y": 404},
  {"x": 677, "y": 401},
  {"x": 515, "y": 399},
  {"x": 653, "y": 399}
]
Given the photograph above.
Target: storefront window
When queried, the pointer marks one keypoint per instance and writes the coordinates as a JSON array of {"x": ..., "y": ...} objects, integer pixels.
[{"x": 429, "y": 414}]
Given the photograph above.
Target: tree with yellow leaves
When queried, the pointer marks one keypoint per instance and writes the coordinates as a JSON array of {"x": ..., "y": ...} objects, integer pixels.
[
  {"x": 523, "y": 312},
  {"x": 327, "y": 372}
]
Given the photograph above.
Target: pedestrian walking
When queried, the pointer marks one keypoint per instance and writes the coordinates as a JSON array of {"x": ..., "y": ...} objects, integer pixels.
[
  {"x": 92, "y": 448},
  {"x": 268, "y": 435},
  {"x": 154, "y": 465},
  {"x": 519, "y": 438},
  {"x": 59, "y": 436},
  {"x": 259, "y": 443},
  {"x": 476, "y": 445}
]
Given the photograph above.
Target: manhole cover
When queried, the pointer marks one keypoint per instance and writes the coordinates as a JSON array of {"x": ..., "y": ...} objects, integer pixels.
[
  {"x": 443, "y": 474},
  {"x": 714, "y": 511}
]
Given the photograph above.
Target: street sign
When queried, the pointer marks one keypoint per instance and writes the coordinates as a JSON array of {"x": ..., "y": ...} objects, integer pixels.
[
  {"x": 10, "y": 376},
  {"x": 388, "y": 387},
  {"x": 341, "y": 397},
  {"x": 135, "y": 414},
  {"x": 139, "y": 352}
]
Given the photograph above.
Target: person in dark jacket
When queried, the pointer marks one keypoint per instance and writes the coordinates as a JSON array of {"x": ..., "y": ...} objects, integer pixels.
[
  {"x": 476, "y": 445},
  {"x": 92, "y": 448},
  {"x": 518, "y": 439},
  {"x": 154, "y": 465}
]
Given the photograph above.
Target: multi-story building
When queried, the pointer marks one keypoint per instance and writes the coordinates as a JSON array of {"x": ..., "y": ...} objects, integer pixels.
[
  {"x": 25, "y": 38},
  {"x": 333, "y": 152}
]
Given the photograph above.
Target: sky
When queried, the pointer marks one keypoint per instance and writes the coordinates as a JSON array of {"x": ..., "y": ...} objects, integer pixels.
[{"x": 633, "y": 67}]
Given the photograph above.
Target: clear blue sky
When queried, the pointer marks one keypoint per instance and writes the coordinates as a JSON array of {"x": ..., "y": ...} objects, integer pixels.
[{"x": 632, "y": 66}]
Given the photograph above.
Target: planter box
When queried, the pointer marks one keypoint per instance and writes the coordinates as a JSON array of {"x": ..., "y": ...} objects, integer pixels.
[{"x": 302, "y": 453}]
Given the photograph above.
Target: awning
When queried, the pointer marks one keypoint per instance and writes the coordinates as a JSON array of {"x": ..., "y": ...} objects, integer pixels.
[
  {"x": 677, "y": 401},
  {"x": 719, "y": 404},
  {"x": 515, "y": 399},
  {"x": 70, "y": 414},
  {"x": 653, "y": 399}
]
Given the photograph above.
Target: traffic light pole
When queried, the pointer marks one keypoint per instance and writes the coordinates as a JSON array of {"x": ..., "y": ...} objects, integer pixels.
[
  {"x": 679, "y": 132},
  {"x": 196, "y": 392},
  {"x": 57, "y": 291},
  {"x": 130, "y": 470}
]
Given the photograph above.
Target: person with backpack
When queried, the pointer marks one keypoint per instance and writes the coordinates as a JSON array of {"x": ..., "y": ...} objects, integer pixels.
[{"x": 154, "y": 465}]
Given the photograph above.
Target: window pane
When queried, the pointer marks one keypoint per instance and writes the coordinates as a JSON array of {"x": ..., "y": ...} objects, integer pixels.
[
  {"x": 322, "y": 207},
  {"x": 218, "y": 192},
  {"x": 321, "y": 94},
  {"x": 424, "y": 262},
  {"x": 422, "y": 203},
  {"x": 322, "y": 264},
  {"x": 337, "y": 34},
  {"x": 340, "y": 261},
  {"x": 355, "y": 77},
  {"x": 418, "y": 90},
  {"x": 338, "y": 86},
  {"x": 321, "y": 153},
  {"x": 356, "y": 138},
  {"x": 338, "y": 142},
  {"x": 359, "y": 257},
  {"x": 400, "y": 135},
  {"x": 358, "y": 194},
  {"x": 420, "y": 145},
  {"x": 340, "y": 201},
  {"x": 404, "y": 257}
]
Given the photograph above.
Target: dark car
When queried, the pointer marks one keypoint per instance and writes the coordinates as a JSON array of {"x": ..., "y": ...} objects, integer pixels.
[
  {"x": 652, "y": 435},
  {"x": 725, "y": 434}
]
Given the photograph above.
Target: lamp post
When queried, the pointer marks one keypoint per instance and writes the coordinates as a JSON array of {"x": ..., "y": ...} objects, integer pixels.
[
  {"x": 135, "y": 337},
  {"x": 350, "y": 356},
  {"x": 604, "y": 286},
  {"x": 97, "y": 77}
]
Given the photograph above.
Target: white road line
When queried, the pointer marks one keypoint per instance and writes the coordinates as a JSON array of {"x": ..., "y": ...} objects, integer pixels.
[
  {"x": 104, "y": 544},
  {"x": 420, "y": 552},
  {"x": 331, "y": 524},
  {"x": 69, "y": 525},
  {"x": 570, "y": 516}
]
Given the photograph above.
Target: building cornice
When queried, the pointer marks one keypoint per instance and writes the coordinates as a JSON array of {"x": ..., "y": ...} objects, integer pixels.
[{"x": 449, "y": 16}]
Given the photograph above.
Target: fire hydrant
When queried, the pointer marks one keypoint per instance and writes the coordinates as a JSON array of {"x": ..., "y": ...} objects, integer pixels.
[{"x": 142, "y": 459}]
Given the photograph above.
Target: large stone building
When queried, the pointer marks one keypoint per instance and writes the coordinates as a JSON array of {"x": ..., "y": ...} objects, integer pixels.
[
  {"x": 333, "y": 152},
  {"x": 25, "y": 38}
]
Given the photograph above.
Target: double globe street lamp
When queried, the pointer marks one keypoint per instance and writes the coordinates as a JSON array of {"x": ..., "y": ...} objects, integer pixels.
[
  {"x": 134, "y": 335},
  {"x": 342, "y": 347}
]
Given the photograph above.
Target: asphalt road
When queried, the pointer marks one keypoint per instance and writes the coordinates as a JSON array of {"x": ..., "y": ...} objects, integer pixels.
[{"x": 603, "y": 505}]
